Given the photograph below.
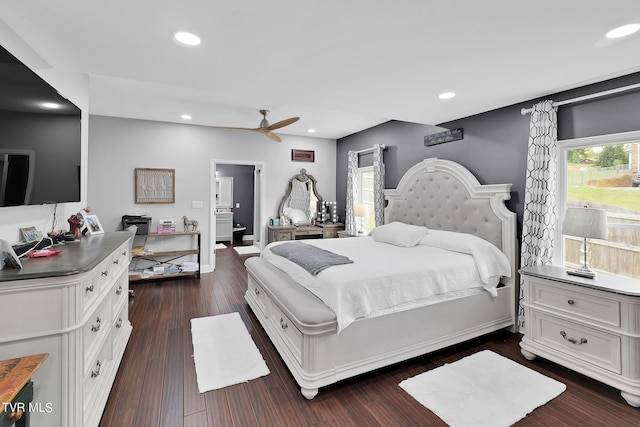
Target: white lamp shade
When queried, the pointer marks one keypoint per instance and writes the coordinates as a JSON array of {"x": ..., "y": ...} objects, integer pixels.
[
  {"x": 360, "y": 210},
  {"x": 585, "y": 222}
]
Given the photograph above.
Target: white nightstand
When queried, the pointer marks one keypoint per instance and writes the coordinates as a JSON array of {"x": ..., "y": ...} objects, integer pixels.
[{"x": 589, "y": 325}]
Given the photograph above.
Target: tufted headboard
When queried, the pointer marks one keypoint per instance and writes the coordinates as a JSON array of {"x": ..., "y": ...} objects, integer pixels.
[{"x": 444, "y": 195}]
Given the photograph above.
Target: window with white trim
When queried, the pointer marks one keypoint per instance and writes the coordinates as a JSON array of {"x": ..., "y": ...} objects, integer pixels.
[
  {"x": 602, "y": 172},
  {"x": 365, "y": 197}
]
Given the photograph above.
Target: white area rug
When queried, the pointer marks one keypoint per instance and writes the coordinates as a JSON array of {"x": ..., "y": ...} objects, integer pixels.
[
  {"x": 246, "y": 250},
  {"x": 484, "y": 389},
  {"x": 220, "y": 246},
  {"x": 224, "y": 353}
]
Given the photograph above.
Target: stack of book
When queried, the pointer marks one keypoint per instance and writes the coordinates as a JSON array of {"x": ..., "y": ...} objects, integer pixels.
[{"x": 166, "y": 226}]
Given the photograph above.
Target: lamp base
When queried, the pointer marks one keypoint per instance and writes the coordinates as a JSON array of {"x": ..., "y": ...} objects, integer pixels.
[{"x": 582, "y": 272}]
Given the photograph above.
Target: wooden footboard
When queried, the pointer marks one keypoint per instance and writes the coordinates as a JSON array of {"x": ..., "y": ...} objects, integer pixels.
[{"x": 318, "y": 356}]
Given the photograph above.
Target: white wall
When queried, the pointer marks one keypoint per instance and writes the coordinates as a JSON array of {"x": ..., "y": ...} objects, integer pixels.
[
  {"x": 73, "y": 86},
  {"x": 117, "y": 146}
]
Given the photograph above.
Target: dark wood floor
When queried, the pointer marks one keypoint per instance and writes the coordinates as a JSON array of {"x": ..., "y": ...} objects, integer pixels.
[{"x": 156, "y": 383}]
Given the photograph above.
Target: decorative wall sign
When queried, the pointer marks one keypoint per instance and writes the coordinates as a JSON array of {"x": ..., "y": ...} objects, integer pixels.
[
  {"x": 442, "y": 137},
  {"x": 155, "y": 186},
  {"x": 302, "y": 156}
]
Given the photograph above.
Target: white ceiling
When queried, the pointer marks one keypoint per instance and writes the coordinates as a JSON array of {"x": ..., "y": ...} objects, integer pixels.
[{"x": 341, "y": 65}]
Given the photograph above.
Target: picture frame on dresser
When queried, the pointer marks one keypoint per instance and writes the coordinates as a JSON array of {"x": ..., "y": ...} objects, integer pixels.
[{"x": 93, "y": 225}]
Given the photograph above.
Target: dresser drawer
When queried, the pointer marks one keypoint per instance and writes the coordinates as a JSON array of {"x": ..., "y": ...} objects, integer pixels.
[
  {"x": 94, "y": 330},
  {"x": 582, "y": 342},
  {"x": 119, "y": 321},
  {"x": 291, "y": 336},
  {"x": 95, "y": 379},
  {"x": 331, "y": 233},
  {"x": 588, "y": 307},
  {"x": 119, "y": 293}
]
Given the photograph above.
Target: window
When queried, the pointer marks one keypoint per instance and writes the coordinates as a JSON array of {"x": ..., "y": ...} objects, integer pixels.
[
  {"x": 602, "y": 172},
  {"x": 365, "y": 195}
]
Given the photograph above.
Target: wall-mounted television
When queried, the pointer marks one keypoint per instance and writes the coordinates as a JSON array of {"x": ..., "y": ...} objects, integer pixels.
[{"x": 40, "y": 141}]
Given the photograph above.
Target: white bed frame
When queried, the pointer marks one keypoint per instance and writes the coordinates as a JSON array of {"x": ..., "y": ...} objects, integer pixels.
[{"x": 436, "y": 193}]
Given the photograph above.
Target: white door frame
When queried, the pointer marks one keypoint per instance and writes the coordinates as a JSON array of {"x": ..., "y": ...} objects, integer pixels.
[{"x": 258, "y": 212}]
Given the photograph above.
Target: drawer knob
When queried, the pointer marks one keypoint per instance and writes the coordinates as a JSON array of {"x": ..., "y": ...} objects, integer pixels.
[
  {"x": 283, "y": 324},
  {"x": 573, "y": 340},
  {"x": 116, "y": 261},
  {"x": 257, "y": 291},
  {"x": 104, "y": 273},
  {"x": 119, "y": 323},
  {"x": 89, "y": 288},
  {"x": 96, "y": 327},
  {"x": 97, "y": 371},
  {"x": 571, "y": 302},
  {"x": 119, "y": 290}
]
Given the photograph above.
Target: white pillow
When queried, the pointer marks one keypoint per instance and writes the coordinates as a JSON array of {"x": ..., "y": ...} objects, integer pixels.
[
  {"x": 490, "y": 261},
  {"x": 399, "y": 234},
  {"x": 297, "y": 216}
]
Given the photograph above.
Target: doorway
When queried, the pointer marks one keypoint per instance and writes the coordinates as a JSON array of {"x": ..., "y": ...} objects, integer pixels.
[{"x": 245, "y": 175}]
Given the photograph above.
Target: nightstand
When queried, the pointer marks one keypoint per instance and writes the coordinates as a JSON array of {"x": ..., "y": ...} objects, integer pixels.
[{"x": 591, "y": 326}]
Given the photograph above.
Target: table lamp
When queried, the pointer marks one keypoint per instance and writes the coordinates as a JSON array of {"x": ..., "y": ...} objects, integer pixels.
[
  {"x": 587, "y": 223},
  {"x": 360, "y": 211}
]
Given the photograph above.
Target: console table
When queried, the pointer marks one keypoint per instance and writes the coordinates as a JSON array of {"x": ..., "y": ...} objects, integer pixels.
[
  {"x": 278, "y": 233},
  {"x": 74, "y": 306}
]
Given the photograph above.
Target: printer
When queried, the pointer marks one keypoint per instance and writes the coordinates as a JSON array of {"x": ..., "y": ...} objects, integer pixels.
[{"x": 142, "y": 222}]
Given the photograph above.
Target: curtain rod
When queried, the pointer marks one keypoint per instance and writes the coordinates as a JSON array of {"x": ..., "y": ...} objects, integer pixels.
[
  {"x": 367, "y": 150},
  {"x": 587, "y": 97}
]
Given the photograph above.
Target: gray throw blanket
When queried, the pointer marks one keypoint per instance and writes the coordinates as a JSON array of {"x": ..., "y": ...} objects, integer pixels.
[{"x": 309, "y": 257}]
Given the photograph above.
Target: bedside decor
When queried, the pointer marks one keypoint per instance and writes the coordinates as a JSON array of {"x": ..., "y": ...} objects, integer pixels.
[
  {"x": 30, "y": 234},
  {"x": 155, "y": 186},
  {"x": 587, "y": 223},
  {"x": 360, "y": 212},
  {"x": 302, "y": 156}
]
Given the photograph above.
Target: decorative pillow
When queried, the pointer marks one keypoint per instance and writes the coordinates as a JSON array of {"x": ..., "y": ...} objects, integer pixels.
[
  {"x": 297, "y": 216},
  {"x": 399, "y": 234}
]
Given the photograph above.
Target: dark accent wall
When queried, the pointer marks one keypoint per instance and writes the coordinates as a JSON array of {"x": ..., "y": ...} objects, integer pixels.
[
  {"x": 494, "y": 147},
  {"x": 243, "y": 192}
]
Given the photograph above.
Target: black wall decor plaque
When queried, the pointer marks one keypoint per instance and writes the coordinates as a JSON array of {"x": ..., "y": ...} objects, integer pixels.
[{"x": 441, "y": 137}]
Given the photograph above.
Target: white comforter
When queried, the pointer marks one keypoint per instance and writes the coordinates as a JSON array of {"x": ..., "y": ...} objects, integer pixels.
[{"x": 386, "y": 278}]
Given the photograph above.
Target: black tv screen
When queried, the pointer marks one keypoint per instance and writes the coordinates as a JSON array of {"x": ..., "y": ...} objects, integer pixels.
[{"x": 40, "y": 142}]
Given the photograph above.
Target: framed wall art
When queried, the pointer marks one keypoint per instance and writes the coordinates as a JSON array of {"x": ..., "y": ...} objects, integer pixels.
[
  {"x": 155, "y": 186},
  {"x": 302, "y": 155}
]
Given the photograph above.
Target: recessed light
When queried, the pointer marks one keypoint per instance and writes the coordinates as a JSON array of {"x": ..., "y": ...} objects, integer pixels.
[
  {"x": 50, "y": 105},
  {"x": 311, "y": 130},
  {"x": 623, "y": 31},
  {"x": 186, "y": 117},
  {"x": 184, "y": 38},
  {"x": 447, "y": 95}
]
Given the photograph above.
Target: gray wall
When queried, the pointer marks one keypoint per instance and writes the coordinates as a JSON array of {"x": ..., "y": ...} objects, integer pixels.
[{"x": 494, "y": 147}]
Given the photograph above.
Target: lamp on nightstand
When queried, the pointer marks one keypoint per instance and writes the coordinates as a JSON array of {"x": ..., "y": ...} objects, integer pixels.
[
  {"x": 360, "y": 211},
  {"x": 587, "y": 223}
]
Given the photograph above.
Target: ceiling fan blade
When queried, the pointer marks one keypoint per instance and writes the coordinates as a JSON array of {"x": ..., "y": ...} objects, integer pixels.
[
  {"x": 273, "y": 136},
  {"x": 283, "y": 123},
  {"x": 234, "y": 128}
]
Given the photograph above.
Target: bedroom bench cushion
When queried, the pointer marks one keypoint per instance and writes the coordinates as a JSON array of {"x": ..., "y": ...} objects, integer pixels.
[{"x": 306, "y": 308}]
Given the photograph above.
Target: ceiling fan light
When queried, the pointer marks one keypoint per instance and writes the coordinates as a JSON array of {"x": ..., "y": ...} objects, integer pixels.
[
  {"x": 186, "y": 117},
  {"x": 184, "y": 38},
  {"x": 623, "y": 31},
  {"x": 447, "y": 95},
  {"x": 311, "y": 130}
]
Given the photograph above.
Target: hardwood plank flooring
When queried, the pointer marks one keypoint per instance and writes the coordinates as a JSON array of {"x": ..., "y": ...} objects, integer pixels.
[{"x": 156, "y": 382}]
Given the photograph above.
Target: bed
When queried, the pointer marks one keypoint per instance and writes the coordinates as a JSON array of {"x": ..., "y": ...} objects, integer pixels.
[{"x": 322, "y": 345}]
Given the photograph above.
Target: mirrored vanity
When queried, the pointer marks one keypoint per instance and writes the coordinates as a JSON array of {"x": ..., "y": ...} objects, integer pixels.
[{"x": 298, "y": 208}]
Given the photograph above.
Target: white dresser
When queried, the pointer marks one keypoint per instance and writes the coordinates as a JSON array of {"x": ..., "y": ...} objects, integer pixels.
[
  {"x": 589, "y": 325},
  {"x": 74, "y": 306}
]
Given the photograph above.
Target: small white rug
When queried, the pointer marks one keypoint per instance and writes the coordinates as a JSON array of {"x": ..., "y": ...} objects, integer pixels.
[
  {"x": 246, "y": 250},
  {"x": 482, "y": 390},
  {"x": 220, "y": 246},
  {"x": 224, "y": 353}
]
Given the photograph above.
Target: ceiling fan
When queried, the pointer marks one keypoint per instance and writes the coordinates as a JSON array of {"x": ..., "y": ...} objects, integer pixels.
[{"x": 265, "y": 127}]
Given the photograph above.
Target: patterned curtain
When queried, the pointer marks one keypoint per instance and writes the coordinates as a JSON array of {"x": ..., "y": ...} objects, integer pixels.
[
  {"x": 539, "y": 218},
  {"x": 378, "y": 184},
  {"x": 352, "y": 191}
]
